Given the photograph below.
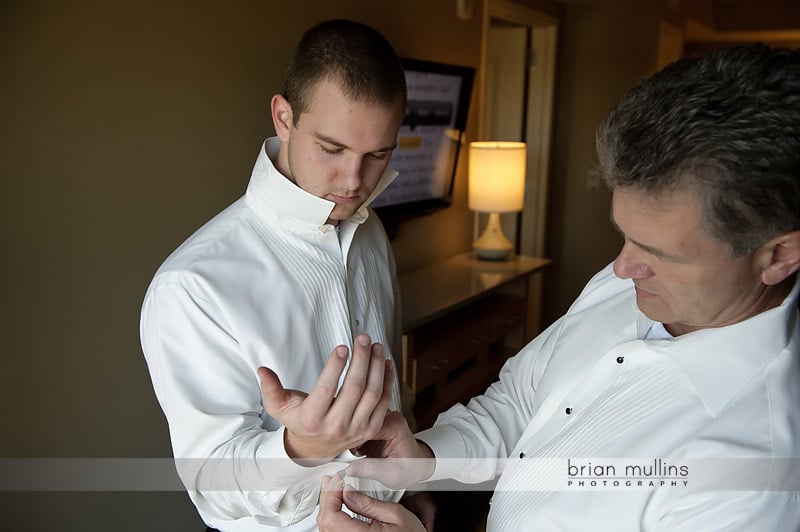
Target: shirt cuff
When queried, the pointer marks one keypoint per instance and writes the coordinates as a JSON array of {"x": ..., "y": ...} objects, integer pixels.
[
  {"x": 283, "y": 470},
  {"x": 448, "y": 449}
]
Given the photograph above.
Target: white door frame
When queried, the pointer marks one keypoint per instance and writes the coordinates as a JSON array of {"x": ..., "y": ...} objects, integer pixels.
[{"x": 538, "y": 129}]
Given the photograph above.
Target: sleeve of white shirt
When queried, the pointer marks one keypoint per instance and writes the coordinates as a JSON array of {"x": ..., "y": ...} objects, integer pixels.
[
  {"x": 756, "y": 491},
  {"x": 734, "y": 511},
  {"x": 472, "y": 442},
  {"x": 230, "y": 464}
]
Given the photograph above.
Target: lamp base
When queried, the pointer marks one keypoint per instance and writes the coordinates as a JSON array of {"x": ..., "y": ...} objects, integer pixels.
[{"x": 492, "y": 244}]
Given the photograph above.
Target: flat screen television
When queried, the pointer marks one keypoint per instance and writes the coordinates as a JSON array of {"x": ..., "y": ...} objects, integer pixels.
[{"x": 429, "y": 142}]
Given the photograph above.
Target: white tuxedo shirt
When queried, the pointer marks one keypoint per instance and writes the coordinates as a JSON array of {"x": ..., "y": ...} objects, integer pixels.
[
  {"x": 715, "y": 414},
  {"x": 265, "y": 283}
]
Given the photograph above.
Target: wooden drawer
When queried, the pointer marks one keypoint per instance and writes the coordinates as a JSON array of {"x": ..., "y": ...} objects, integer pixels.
[
  {"x": 508, "y": 313},
  {"x": 444, "y": 347},
  {"x": 462, "y": 319}
]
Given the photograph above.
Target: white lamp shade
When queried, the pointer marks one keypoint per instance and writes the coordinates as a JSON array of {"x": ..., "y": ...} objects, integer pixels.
[{"x": 496, "y": 176}]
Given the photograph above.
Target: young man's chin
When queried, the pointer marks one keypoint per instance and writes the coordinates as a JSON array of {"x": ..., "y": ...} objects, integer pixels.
[{"x": 343, "y": 212}]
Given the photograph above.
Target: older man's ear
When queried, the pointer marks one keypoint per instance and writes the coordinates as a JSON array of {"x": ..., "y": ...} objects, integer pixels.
[{"x": 781, "y": 258}]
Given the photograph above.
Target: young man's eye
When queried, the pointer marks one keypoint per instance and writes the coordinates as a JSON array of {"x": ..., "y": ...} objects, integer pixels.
[
  {"x": 380, "y": 155},
  {"x": 329, "y": 151}
]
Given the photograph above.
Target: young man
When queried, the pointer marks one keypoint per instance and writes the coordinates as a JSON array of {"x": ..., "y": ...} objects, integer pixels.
[
  {"x": 667, "y": 397},
  {"x": 296, "y": 265}
]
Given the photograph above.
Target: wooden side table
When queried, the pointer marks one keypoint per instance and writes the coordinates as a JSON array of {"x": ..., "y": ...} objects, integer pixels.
[{"x": 462, "y": 319}]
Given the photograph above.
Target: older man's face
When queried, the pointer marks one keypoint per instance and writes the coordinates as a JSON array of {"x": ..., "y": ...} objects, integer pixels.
[{"x": 683, "y": 277}]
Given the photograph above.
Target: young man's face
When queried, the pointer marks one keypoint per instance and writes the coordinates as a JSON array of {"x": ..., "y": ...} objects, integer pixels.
[
  {"x": 339, "y": 148},
  {"x": 683, "y": 278}
]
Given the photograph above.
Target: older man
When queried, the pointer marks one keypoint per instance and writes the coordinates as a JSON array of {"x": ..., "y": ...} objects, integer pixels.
[{"x": 666, "y": 398}]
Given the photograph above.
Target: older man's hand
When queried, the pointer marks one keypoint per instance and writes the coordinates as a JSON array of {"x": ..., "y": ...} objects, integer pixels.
[
  {"x": 394, "y": 457},
  {"x": 385, "y": 516}
]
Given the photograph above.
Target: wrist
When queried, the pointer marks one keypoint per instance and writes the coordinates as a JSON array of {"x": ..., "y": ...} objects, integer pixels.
[
  {"x": 429, "y": 459},
  {"x": 302, "y": 453}
]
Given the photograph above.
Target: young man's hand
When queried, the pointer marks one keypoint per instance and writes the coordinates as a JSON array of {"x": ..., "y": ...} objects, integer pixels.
[{"x": 322, "y": 424}]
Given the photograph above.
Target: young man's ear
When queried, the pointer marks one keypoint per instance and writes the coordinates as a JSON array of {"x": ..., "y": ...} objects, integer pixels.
[
  {"x": 784, "y": 258},
  {"x": 282, "y": 116}
]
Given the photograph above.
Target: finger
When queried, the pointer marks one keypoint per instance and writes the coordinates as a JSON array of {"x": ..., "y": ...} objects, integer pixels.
[
  {"x": 395, "y": 473},
  {"x": 272, "y": 391},
  {"x": 371, "y": 448},
  {"x": 330, "y": 496},
  {"x": 394, "y": 426},
  {"x": 374, "y": 401},
  {"x": 382, "y": 408},
  {"x": 319, "y": 400},
  {"x": 387, "y": 512},
  {"x": 365, "y": 468},
  {"x": 355, "y": 380},
  {"x": 331, "y": 518}
]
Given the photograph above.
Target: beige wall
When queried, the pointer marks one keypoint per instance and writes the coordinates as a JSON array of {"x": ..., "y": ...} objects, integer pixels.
[
  {"x": 605, "y": 48},
  {"x": 126, "y": 125}
]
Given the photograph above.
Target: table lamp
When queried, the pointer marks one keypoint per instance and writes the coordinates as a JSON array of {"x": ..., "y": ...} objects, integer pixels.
[{"x": 496, "y": 184}]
